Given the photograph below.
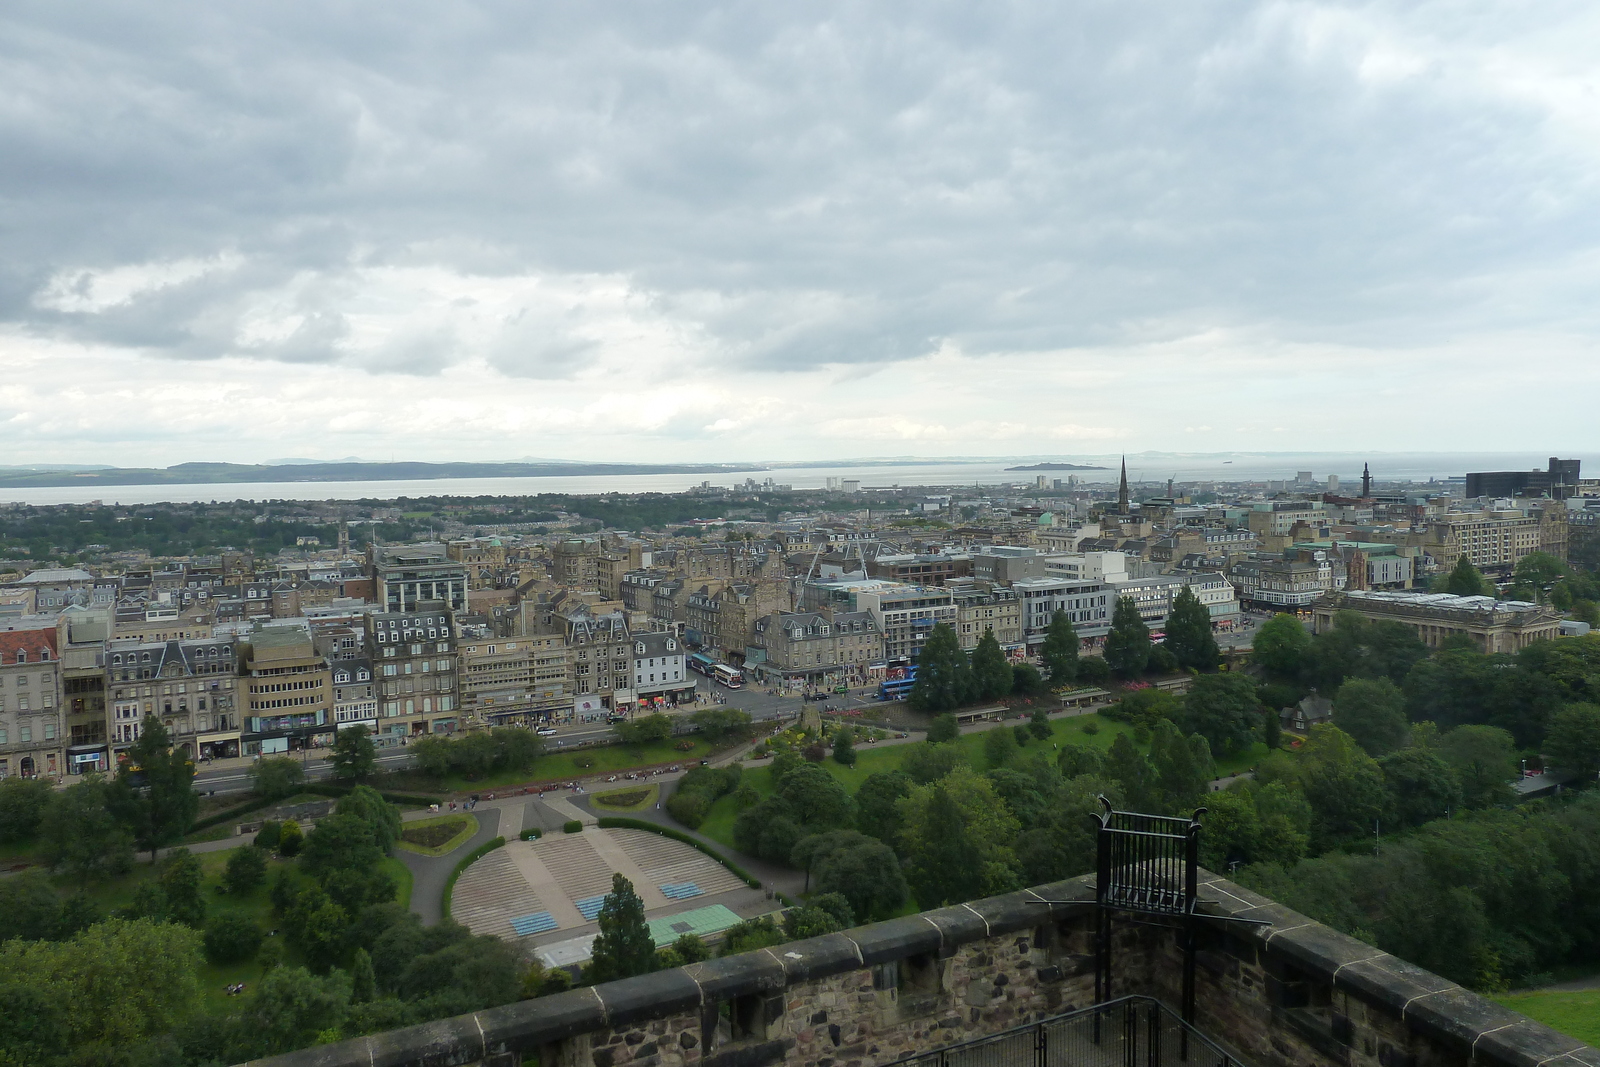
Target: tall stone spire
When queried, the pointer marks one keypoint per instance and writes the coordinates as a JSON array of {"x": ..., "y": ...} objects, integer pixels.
[
  {"x": 1366, "y": 480},
  {"x": 1122, "y": 489}
]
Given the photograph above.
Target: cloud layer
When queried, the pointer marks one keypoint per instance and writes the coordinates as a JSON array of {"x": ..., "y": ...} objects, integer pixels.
[{"x": 746, "y": 230}]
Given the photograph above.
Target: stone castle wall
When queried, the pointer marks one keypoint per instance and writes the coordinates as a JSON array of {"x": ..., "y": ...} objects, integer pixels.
[{"x": 1294, "y": 994}]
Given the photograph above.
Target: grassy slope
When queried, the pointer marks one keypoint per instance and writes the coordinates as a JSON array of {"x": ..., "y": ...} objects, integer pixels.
[{"x": 1575, "y": 1013}]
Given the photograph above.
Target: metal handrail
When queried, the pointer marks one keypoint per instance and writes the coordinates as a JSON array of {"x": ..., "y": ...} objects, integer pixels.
[{"x": 1133, "y": 1031}]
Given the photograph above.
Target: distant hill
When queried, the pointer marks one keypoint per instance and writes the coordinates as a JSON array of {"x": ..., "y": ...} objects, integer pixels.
[
  {"x": 1058, "y": 467},
  {"x": 201, "y": 473}
]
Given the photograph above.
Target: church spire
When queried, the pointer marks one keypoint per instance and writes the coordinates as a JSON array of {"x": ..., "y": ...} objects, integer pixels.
[
  {"x": 1122, "y": 489},
  {"x": 1366, "y": 481}
]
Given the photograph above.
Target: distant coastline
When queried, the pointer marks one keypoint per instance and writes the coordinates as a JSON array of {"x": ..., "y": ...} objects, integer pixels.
[
  {"x": 1059, "y": 467},
  {"x": 208, "y": 473}
]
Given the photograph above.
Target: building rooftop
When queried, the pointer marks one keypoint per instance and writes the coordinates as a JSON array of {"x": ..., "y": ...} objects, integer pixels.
[{"x": 1486, "y": 604}]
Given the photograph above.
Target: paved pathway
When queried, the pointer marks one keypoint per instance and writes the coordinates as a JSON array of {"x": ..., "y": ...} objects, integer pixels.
[{"x": 429, "y": 873}]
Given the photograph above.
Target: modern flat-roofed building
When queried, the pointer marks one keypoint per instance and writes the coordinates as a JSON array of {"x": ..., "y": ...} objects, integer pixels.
[
  {"x": 1557, "y": 481},
  {"x": 288, "y": 695},
  {"x": 1493, "y": 625},
  {"x": 409, "y": 575}
]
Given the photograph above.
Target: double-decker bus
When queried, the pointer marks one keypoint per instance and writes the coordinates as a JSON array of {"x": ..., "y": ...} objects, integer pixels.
[
  {"x": 898, "y": 688},
  {"x": 721, "y": 672},
  {"x": 699, "y": 661}
]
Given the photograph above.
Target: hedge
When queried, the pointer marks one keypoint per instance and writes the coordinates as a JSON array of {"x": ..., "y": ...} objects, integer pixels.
[
  {"x": 466, "y": 861},
  {"x": 617, "y": 822},
  {"x": 572, "y": 826},
  {"x": 532, "y": 833}
]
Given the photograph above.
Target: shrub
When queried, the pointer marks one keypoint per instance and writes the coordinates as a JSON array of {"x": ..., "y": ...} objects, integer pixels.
[
  {"x": 267, "y": 837},
  {"x": 231, "y": 939},
  {"x": 698, "y": 790},
  {"x": 532, "y": 833},
  {"x": 583, "y": 761},
  {"x": 686, "y": 745},
  {"x": 290, "y": 838},
  {"x": 1089, "y": 726},
  {"x": 572, "y": 826}
]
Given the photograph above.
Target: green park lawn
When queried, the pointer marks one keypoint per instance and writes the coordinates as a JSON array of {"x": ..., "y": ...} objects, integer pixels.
[
  {"x": 438, "y": 836},
  {"x": 118, "y": 892},
  {"x": 871, "y": 759},
  {"x": 1575, "y": 1013}
]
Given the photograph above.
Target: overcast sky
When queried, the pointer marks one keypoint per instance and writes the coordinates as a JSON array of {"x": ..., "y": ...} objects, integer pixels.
[{"x": 769, "y": 231}]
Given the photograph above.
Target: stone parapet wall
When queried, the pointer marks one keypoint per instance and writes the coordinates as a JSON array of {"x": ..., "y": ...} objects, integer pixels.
[{"x": 1294, "y": 994}]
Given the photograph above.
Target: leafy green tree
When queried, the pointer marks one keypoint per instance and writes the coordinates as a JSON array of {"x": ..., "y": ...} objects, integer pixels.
[
  {"x": 716, "y": 724},
  {"x": 943, "y": 728},
  {"x": 276, "y": 777},
  {"x": 624, "y": 947},
  {"x": 1285, "y": 816},
  {"x": 1536, "y": 575},
  {"x": 290, "y": 839},
  {"x": 999, "y": 747},
  {"x": 956, "y": 837},
  {"x": 1372, "y": 711},
  {"x": 1422, "y": 786},
  {"x": 751, "y": 935},
  {"x": 1059, "y": 653},
  {"x": 1222, "y": 708},
  {"x": 1345, "y": 787},
  {"x": 115, "y": 985},
  {"x": 354, "y": 756},
  {"x": 646, "y": 729},
  {"x": 1039, "y": 724},
  {"x": 944, "y": 680},
  {"x": 1127, "y": 766},
  {"x": 866, "y": 875},
  {"x": 1093, "y": 670},
  {"x": 1457, "y": 687},
  {"x": 1466, "y": 580},
  {"x": 1127, "y": 648},
  {"x": 31, "y": 909},
  {"x": 1182, "y": 769},
  {"x": 381, "y": 817},
  {"x": 516, "y": 749},
  {"x": 844, "y": 748},
  {"x": 231, "y": 938},
  {"x": 1231, "y": 832},
  {"x": 1189, "y": 636},
  {"x": 1026, "y": 681},
  {"x": 1074, "y": 761},
  {"x": 1484, "y": 759},
  {"x": 363, "y": 979},
  {"x": 929, "y": 762},
  {"x": 817, "y": 798},
  {"x": 1144, "y": 708},
  {"x": 991, "y": 672},
  {"x": 340, "y": 841},
  {"x": 1359, "y": 648},
  {"x": 876, "y": 811},
  {"x": 153, "y": 793},
  {"x": 22, "y": 806},
  {"x": 1281, "y": 646},
  {"x": 806, "y": 921},
  {"x": 291, "y": 1007},
  {"x": 1572, "y": 664},
  {"x": 181, "y": 876},
  {"x": 1573, "y": 743},
  {"x": 432, "y": 755},
  {"x": 80, "y": 836},
  {"x": 1062, "y": 843}
]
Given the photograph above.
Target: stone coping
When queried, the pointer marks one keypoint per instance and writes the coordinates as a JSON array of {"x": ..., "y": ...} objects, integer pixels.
[{"x": 1480, "y": 1029}]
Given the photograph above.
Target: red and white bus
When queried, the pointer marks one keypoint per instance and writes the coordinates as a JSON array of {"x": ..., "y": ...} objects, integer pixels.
[{"x": 726, "y": 675}]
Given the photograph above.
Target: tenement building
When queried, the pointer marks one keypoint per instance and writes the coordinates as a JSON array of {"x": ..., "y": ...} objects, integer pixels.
[
  {"x": 413, "y": 656},
  {"x": 31, "y": 741},
  {"x": 1493, "y": 625},
  {"x": 1009, "y": 981},
  {"x": 188, "y": 685}
]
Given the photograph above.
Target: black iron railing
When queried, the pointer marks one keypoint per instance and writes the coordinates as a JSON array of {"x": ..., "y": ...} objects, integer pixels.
[{"x": 1128, "y": 1032}]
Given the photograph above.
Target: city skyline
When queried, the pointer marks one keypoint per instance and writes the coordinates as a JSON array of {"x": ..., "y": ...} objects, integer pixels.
[{"x": 841, "y": 232}]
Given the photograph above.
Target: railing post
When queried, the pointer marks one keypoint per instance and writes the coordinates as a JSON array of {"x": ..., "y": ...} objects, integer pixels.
[
  {"x": 1041, "y": 1038},
  {"x": 1153, "y": 1039}
]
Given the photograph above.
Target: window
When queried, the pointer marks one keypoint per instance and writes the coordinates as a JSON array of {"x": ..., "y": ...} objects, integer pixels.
[
  {"x": 25, "y": 734},
  {"x": 49, "y": 731}
]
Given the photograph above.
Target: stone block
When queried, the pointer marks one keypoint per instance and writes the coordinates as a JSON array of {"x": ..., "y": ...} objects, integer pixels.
[
  {"x": 818, "y": 957},
  {"x": 957, "y": 927},
  {"x": 741, "y": 975},
  {"x": 528, "y": 1024},
  {"x": 896, "y": 939},
  {"x": 1460, "y": 1014},
  {"x": 646, "y": 997},
  {"x": 1524, "y": 1043}
]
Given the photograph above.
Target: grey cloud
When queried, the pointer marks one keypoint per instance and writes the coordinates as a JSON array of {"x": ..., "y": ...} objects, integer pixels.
[{"x": 845, "y": 183}]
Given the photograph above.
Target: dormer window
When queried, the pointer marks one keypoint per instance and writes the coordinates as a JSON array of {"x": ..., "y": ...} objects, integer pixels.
[
  {"x": 22, "y": 657},
  {"x": 639, "y": 648}
]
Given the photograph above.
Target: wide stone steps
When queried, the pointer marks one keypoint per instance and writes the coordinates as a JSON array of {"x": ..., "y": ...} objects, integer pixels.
[
  {"x": 490, "y": 893},
  {"x": 668, "y": 862}
]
